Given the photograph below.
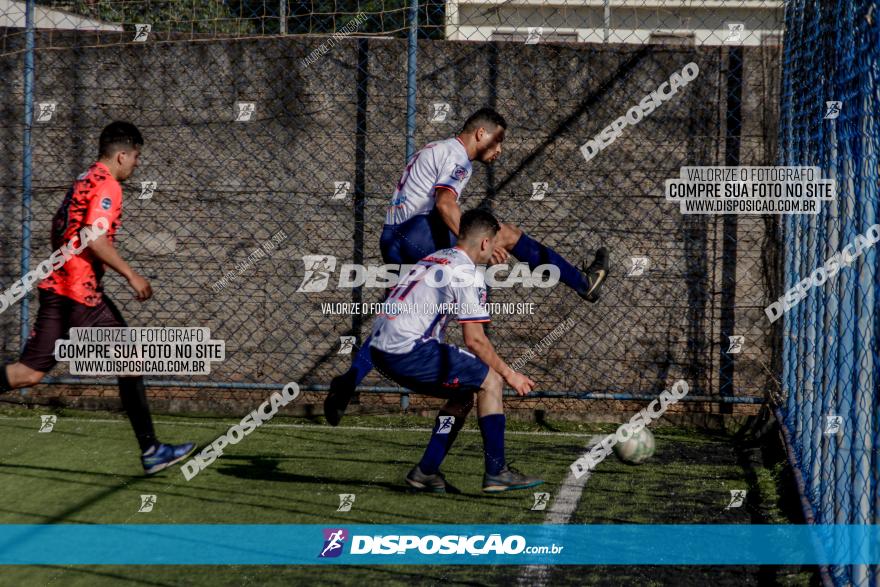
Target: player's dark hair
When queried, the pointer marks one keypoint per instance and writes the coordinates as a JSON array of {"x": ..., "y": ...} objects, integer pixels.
[
  {"x": 117, "y": 136},
  {"x": 485, "y": 117},
  {"x": 478, "y": 222}
]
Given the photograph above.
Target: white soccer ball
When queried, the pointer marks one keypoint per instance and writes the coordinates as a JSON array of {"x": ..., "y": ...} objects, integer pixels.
[{"x": 637, "y": 449}]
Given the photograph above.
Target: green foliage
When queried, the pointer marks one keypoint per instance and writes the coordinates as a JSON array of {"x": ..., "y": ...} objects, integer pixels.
[
  {"x": 184, "y": 16},
  {"x": 255, "y": 17}
]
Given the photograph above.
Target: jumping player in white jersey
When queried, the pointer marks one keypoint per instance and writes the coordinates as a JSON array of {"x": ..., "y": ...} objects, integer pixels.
[
  {"x": 407, "y": 345},
  {"x": 424, "y": 217}
]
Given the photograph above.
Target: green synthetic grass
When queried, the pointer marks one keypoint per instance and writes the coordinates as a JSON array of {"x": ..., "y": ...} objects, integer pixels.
[
  {"x": 291, "y": 471},
  {"x": 687, "y": 481}
]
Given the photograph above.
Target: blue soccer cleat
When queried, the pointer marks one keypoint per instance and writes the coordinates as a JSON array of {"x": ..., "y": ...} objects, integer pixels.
[{"x": 162, "y": 456}]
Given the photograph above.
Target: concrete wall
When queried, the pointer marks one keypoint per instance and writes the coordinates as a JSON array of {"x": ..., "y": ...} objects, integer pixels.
[{"x": 225, "y": 187}]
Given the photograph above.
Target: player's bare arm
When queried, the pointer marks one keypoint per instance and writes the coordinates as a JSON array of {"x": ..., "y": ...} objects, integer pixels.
[
  {"x": 476, "y": 340},
  {"x": 448, "y": 208},
  {"x": 450, "y": 212},
  {"x": 104, "y": 250}
]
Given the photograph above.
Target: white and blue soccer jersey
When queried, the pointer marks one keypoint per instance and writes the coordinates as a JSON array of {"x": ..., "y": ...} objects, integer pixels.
[
  {"x": 442, "y": 287},
  {"x": 440, "y": 164}
]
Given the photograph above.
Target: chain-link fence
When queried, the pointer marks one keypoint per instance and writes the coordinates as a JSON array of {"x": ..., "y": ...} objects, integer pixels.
[
  {"x": 287, "y": 134},
  {"x": 830, "y": 105}
]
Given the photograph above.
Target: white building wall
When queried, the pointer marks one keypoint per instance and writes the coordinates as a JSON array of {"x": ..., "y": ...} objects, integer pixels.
[{"x": 630, "y": 21}]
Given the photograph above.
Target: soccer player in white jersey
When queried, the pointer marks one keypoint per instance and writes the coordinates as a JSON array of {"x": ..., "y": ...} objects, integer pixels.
[
  {"x": 424, "y": 217},
  {"x": 407, "y": 345}
]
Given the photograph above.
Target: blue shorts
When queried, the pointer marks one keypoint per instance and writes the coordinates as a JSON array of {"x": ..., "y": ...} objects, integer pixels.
[
  {"x": 411, "y": 241},
  {"x": 433, "y": 368}
]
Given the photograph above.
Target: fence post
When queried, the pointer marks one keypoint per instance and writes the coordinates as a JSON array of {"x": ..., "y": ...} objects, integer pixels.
[
  {"x": 411, "y": 50},
  {"x": 282, "y": 17},
  {"x": 729, "y": 243},
  {"x": 26, "y": 163}
]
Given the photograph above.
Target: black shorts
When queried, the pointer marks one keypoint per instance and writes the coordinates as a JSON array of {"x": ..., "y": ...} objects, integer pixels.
[{"x": 56, "y": 316}]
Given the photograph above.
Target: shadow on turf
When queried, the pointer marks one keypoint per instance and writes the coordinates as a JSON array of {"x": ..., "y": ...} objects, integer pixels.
[
  {"x": 128, "y": 579},
  {"x": 255, "y": 468},
  {"x": 260, "y": 468},
  {"x": 105, "y": 493}
]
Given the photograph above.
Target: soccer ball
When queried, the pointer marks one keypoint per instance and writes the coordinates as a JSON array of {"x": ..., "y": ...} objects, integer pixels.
[{"x": 637, "y": 449}]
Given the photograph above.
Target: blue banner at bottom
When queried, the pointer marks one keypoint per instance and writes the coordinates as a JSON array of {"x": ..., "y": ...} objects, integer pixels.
[{"x": 167, "y": 544}]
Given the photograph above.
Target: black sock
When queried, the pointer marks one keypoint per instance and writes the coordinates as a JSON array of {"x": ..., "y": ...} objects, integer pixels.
[
  {"x": 4, "y": 381},
  {"x": 134, "y": 400}
]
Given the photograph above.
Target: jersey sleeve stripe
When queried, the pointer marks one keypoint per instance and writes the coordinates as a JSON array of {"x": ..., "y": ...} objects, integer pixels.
[{"x": 448, "y": 187}]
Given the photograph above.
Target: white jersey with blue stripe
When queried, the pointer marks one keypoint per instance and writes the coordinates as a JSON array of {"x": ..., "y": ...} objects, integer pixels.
[
  {"x": 439, "y": 164},
  {"x": 442, "y": 287}
]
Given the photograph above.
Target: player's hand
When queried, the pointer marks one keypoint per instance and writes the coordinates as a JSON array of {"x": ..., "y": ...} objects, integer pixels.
[
  {"x": 519, "y": 382},
  {"x": 500, "y": 256},
  {"x": 141, "y": 287}
]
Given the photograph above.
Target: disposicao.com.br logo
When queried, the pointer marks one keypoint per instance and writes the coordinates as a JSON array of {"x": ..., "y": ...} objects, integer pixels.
[
  {"x": 320, "y": 269},
  {"x": 450, "y": 544}
]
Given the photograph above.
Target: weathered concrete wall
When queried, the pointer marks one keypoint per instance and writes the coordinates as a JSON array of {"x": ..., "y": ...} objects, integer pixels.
[{"x": 224, "y": 187}]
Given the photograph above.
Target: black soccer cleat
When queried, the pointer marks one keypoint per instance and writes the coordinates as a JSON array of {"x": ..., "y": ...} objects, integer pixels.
[
  {"x": 596, "y": 273},
  {"x": 340, "y": 394},
  {"x": 435, "y": 483},
  {"x": 508, "y": 479}
]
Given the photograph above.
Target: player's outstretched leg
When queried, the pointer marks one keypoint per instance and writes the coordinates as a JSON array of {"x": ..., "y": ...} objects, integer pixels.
[
  {"x": 499, "y": 476},
  {"x": 155, "y": 455},
  {"x": 426, "y": 476},
  {"x": 586, "y": 282},
  {"x": 342, "y": 387},
  {"x": 16, "y": 375}
]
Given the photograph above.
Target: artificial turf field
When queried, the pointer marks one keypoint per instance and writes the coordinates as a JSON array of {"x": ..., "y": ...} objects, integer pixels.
[{"x": 290, "y": 471}]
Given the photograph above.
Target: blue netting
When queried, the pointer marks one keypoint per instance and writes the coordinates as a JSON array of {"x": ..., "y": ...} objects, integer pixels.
[{"x": 830, "y": 354}]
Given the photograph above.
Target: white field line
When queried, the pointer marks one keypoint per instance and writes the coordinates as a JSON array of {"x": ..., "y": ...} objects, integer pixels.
[
  {"x": 560, "y": 512},
  {"x": 304, "y": 426}
]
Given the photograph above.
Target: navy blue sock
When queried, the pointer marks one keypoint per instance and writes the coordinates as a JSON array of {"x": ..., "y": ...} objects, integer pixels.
[
  {"x": 492, "y": 428},
  {"x": 446, "y": 428},
  {"x": 534, "y": 253},
  {"x": 362, "y": 363}
]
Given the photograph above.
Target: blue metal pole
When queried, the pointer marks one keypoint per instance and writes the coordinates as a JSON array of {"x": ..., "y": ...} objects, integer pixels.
[
  {"x": 624, "y": 396},
  {"x": 411, "y": 85},
  {"x": 26, "y": 157}
]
